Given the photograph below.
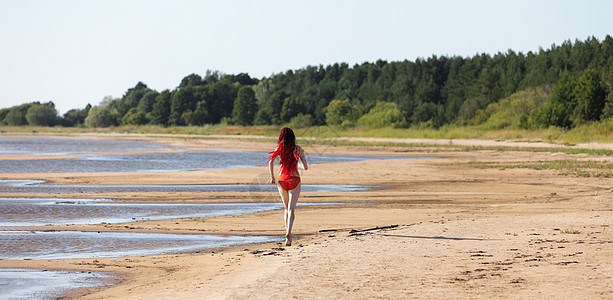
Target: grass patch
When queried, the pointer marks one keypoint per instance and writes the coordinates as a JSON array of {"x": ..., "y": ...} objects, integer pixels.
[
  {"x": 596, "y": 132},
  {"x": 589, "y": 133},
  {"x": 581, "y": 168},
  {"x": 319, "y": 135},
  {"x": 426, "y": 147}
]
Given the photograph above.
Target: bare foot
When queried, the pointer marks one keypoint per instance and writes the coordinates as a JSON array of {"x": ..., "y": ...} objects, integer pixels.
[{"x": 288, "y": 240}]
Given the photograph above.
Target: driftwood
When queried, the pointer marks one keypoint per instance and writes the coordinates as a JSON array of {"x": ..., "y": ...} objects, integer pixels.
[
  {"x": 329, "y": 230},
  {"x": 355, "y": 232},
  {"x": 358, "y": 232}
]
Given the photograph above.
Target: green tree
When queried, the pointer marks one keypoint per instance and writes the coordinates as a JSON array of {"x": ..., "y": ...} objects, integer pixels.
[
  {"x": 220, "y": 97},
  {"x": 291, "y": 108},
  {"x": 262, "y": 117},
  {"x": 182, "y": 100},
  {"x": 275, "y": 106},
  {"x": 17, "y": 115},
  {"x": 244, "y": 79},
  {"x": 430, "y": 91},
  {"x": 186, "y": 117},
  {"x": 245, "y": 106},
  {"x": 423, "y": 112},
  {"x": 132, "y": 98},
  {"x": 200, "y": 114},
  {"x": 339, "y": 111},
  {"x": 147, "y": 101},
  {"x": 134, "y": 117},
  {"x": 191, "y": 80},
  {"x": 3, "y": 113},
  {"x": 161, "y": 109},
  {"x": 559, "y": 109},
  {"x": 573, "y": 101},
  {"x": 99, "y": 117},
  {"x": 76, "y": 117},
  {"x": 42, "y": 115},
  {"x": 589, "y": 97}
]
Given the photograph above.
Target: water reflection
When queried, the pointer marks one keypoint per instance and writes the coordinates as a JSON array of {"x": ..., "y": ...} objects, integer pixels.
[
  {"x": 17, "y": 245},
  {"x": 45, "y": 284}
]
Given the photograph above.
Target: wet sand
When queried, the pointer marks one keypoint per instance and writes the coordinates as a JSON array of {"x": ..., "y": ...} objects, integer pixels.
[{"x": 463, "y": 232}]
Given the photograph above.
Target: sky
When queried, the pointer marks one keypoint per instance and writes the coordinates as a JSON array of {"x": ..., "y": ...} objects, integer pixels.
[{"x": 75, "y": 52}]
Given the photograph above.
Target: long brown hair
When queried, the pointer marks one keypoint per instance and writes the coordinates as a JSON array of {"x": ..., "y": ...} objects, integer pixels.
[{"x": 286, "y": 150}]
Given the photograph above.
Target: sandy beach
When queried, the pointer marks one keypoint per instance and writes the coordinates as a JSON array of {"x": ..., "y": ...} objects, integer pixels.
[{"x": 440, "y": 227}]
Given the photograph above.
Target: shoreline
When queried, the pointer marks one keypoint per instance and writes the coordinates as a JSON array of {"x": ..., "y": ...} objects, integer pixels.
[{"x": 444, "y": 210}]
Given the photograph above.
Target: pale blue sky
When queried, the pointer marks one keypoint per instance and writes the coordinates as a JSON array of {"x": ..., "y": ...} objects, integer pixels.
[{"x": 75, "y": 52}]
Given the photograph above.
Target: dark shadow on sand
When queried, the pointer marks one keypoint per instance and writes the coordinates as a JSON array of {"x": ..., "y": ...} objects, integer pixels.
[{"x": 437, "y": 237}]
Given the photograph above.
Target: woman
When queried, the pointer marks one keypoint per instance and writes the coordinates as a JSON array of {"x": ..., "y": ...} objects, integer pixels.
[{"x": 289, "y": 178}]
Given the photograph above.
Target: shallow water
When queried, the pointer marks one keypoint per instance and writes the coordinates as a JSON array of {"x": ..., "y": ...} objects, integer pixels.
[
  {"x": 47, "y": 211},
  {"x": 19, "y": 186},
  {"x": 145, "y": 162},
  {"x": 164, "y": 162},
  {"x": 68, "y": 146},
  {"x": 45, "y": 284},
  {"x": 17, "y": 245}
]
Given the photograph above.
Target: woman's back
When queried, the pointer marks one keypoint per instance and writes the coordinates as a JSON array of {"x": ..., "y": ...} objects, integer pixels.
[{"x": 289, "y": 163}]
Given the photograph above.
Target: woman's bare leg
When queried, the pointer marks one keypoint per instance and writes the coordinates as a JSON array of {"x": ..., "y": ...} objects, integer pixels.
[
  {"x": 285, "y": 198},
  {"x": 291, "y": 214}
]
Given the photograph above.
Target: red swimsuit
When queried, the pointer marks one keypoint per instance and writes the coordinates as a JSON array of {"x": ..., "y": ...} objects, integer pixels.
[{"x": 288, "y": 182}]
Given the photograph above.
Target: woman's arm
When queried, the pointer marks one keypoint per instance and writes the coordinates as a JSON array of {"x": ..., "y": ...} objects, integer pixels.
[
  {"x": 271, "y": 168},
  {"x": 304, "y": 162}
]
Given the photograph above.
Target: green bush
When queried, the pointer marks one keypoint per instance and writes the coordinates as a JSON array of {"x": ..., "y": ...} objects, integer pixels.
[
  {"x": 16, "y": 116},
  {"x": 301, "y": 121},
  {"x": 513, "y": 111},
  {"x": 382, "y": 115},
  {"x": 134, "y": 117},
  {"x": 41, "y": 115},
  {"x": 339, "y": 111},
  {"x": 99, "y": 117},
  {"x": 575, "y": 100}
]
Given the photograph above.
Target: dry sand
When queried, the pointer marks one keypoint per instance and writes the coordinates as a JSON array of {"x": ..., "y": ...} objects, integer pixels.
[{"x": 463, "y": 232}]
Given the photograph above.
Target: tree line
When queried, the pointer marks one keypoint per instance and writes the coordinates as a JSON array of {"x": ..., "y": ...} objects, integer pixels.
[{"x": 574, "y": 82}]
